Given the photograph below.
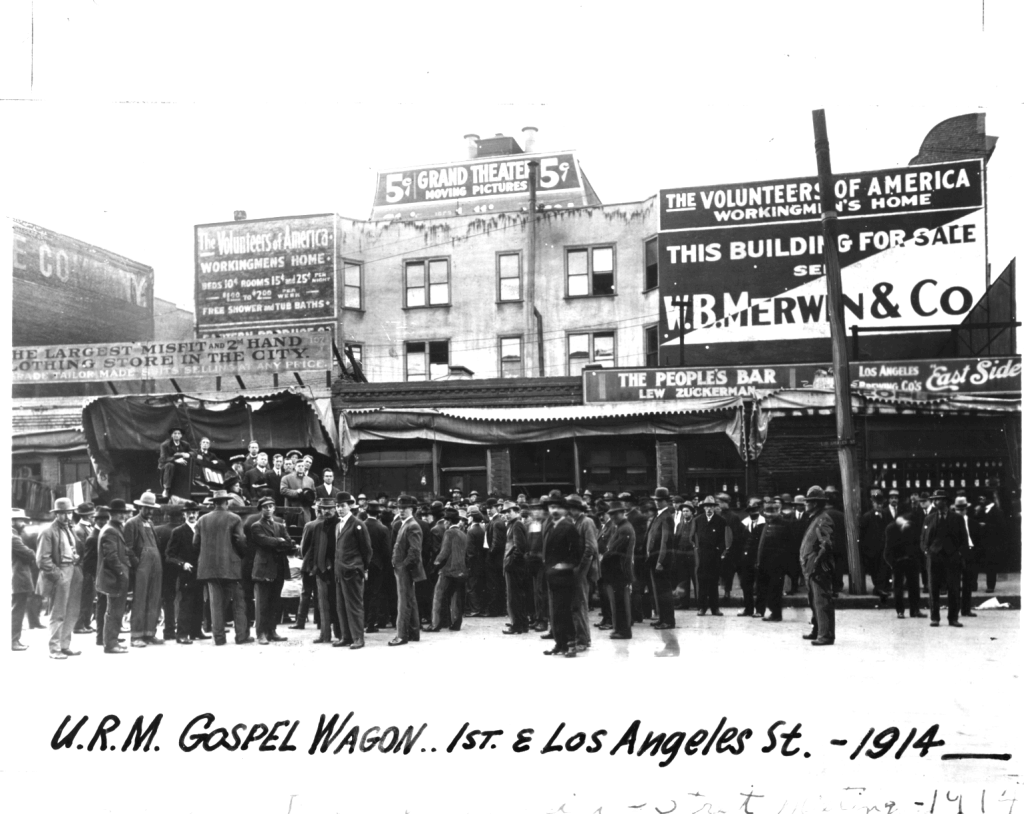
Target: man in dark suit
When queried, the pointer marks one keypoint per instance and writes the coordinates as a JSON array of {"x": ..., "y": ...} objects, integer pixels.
[
  {"x": 317, "y": 549},
  {"x": 822, "y": 536},
  {"x": 729, "y": 565},
  {"x": 774, "y": 546},
  {"x": 169, "y": 577},
  {"x": 496, "y": 537},
  {"x": 746, "y": 556},
  {"x": 380, "y": 566},
  {"x": 588, "y": 563},
  {"x": 22, "y": 586},
  {"x": 407, "y": 559},
  {"x": 662, "y": 559},
  {"x": 327, "y": 488},
  {"x": 517, "y": 582},
  {"x": 352, "y": 556},
  {"x": 872, "y": 543},
  {"x": 113, "y": 575},
  {"x": 140, "y": 537},
  {"x": 944, "y": 540},
  {"x": 992, "y": 532},
  {"x": 174, "y": 454},
  {"x": 256, "y": 480},
  {"x": 476, "y": 536},
  {"x": 220, "y": 538},
  {"x": 563, "y": 553},
  {"x": 271, "y": 545},
  {"x": 252, "y": 459},
  {"x": 274, "y": 474},
  {"x": 712, "y": 538},
  {"x": 617, "y": 570},
  {"x": 642, "y": 603},
  {"x": 972, "y": 556},
  {"x": 82, "y": 529},
  {"x": 901, "y": 554},
  {"x": 535, "y": 564},
  {"x": 452, "y": 573},
  {"x": 183, "y": 555}
]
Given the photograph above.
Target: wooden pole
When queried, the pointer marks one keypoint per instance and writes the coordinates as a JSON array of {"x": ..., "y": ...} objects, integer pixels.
[{"x": 840, "y": 363}]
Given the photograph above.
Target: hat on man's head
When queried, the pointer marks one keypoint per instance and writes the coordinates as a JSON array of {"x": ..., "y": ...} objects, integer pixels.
[
  {"x": 147, "y": 501},
  {"x": 754, "y": 503},
  {"x": 800, "y": 500},
  {"x": 627, "y": 496},
  {"x": 491, "y": 501},
  {"x": 451, "y": 515},
  {"x": 174, "y": 428},
  {"x": 361, "y": 496},
  {"x": 961, "y": 502},
  {"x": 85, "y": 510},
  {"x": 575, "y": 502},
  {"x": 118, "y": 505},
  {"x": 815, "y": 493},
  {"x": 688, "y": 504},
  {"x": 236, "y": 459},
  {"x": 373, "y": 504},
  {"x": 188, "y": 506},
  {"x": 220, "y": 496},
  {"x": 724, "y": 496},
  {"x": 436, "y": 507},
  {"x": 615, "y": 507},
  {"x": 407, "y": 501},
  {"x": 894, "y": 493},
  {"x": 786, "y": 499},
  {"x": 19, "y": 514},
  {"x": 327, "y": 503},
  {"x": 63, "y": 504},
  {"x": 293, "y": 453},
  {"x": 263, "y": 501},
  {"x": 709, "y": 501},
  {"x": 661, "y": 493},
  {"x": 940, "y": 494},
  {"x": 509, "y": 506},
  {"x": 345, "y": 497},
  {"x": 554, "y": 500}
]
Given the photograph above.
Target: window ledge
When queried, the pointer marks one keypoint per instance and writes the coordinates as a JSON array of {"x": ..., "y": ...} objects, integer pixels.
[
  {"x": 520, "y": 301},
  {"x": 589, "y": 296},
  {"x": 350, "y": 308},
  {"x": 425, "y": 307}
]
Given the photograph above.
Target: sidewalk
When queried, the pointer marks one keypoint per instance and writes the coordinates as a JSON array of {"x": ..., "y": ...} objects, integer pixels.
[{"x": 1007, "y": 591}]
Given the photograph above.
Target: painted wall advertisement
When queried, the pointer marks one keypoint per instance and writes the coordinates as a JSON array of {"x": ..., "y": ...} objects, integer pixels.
[
  {"x": 227, "y": 356},
  {"x": 926, "y": 376},
  {"x": 472, "y": 186},
  {"x": 744, "y": 263},
  {"x": 265, "y": 273}
]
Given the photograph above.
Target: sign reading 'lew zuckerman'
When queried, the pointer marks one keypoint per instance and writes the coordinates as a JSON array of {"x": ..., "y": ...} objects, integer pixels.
[
  {"x": 1000, "y": 374},
  {"x": 260, "y": 274},
  {"x": 229, "y": 356}
]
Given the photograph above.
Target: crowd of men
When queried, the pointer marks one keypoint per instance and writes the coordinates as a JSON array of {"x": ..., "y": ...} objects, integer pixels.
[{"x": 373, "y": 564}]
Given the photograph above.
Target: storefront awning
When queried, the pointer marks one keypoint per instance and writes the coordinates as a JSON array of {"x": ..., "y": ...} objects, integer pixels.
[
  {"x": 515, "y": 425},
  {"x": 58, "y": 442}
]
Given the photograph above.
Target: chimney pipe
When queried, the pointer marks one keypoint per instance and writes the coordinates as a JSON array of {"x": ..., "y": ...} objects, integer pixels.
[
  {"x": 240, "y": 214},
  {"x": 471, "y": 144},
  {"x": 529, "y": 138}
]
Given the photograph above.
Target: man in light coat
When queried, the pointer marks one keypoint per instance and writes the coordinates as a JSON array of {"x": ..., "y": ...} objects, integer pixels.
[
  {"x": 220, "y": 538},
  {"x": 60, "y": 578},
  {"x": 140, "y": 537}
]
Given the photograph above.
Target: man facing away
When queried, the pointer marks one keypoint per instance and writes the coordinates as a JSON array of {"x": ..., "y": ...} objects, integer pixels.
[
  {"x": 220, "y": 538},
  {"x": 452, "y": 573}
]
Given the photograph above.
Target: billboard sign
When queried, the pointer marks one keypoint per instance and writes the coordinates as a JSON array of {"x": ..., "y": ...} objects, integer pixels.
[
  {"x": 259, "y": 274},
  {"x": 476, "y": 186},
  {"x": 743, "y": 264},
  {"x": 984, "y": 375},
  {"x": 226, "y": 356}
]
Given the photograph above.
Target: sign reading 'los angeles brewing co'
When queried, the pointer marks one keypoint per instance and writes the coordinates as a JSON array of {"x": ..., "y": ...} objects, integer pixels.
[
  {"x": 936, "y": 376},
  {"x": 229, "y": 356}
]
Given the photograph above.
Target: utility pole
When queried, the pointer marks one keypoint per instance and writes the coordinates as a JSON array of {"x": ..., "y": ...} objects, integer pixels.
[{"x": 840, "y": 363}]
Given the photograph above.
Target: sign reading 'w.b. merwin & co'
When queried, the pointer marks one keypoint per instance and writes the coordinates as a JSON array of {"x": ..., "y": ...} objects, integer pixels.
[{"x": 935, "y": 376}]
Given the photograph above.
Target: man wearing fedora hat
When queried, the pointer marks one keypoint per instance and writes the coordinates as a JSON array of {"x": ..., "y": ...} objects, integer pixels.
[
  {"x": 712, "y": 538},
  {"x": 22, "y": 588},
  {"x": 969, "y": 581},
  {"x": 60, "y": 577},
  {"x": 617, "y": 570},
  {"x": 586, "y": 572},
  {"x": 901, "y": 554},
  {"x": 563, "y": 553},
  {"x": 174, "y": 453},
  {"x": 140, "y": 537},
  {"x": 269, "y": 569},
  {"x": 407, "y": 559},
  {"x": 452, "y": 574},
  {"x": 182, "y": 553},
  {"x": 944, "y": 540},
  {"x": 661, "y": 558},
  {"x": 517, "y": 578},
  {"x": 220, "y": 538},
  {"x": 91, "y": 554},
  {"x": 317, "y": 550},
  {"x": 82, "y": 529},
  {"x": 818, "y": 562},
  {"x": 380, "y": 565},
  {"x": 113, "y": 575},
  {"x": 497, "y": 535},
  {"x": 353, "y": 552}
]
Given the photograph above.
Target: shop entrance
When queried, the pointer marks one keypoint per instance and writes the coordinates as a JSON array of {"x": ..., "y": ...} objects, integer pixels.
[{"x": 539, "y": 468}]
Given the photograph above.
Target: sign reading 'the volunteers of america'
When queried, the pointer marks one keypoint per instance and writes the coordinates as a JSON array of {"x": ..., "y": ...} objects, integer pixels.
[
  {"x": 265, "y": 273},
  {"x": 935, "y": 376},
  {"x": 743, "y": 266},
  {"x": 228, "y": 356}
]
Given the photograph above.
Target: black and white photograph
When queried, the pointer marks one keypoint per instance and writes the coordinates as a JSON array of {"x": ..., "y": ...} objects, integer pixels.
[{"x": 541, "y": 408}]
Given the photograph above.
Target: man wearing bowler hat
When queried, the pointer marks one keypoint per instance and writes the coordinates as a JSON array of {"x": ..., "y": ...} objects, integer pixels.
[
  {"x": 818, "y": 563},
  {"x": 140, "y": 537},
  {"x": 269, "y": 569},
  {"x": 407, "y": 559},
  {"x": 380, "y": 566},
  {"x": 352, "y": 555},
  {"x": 113, "y": 575},
  {"x": 22, "y": 588},
  {"x": 174, "y": 453},
  {"x": 944, "y": 540},
  {"x": 712, "y": 538},
  {"x": 220, "y": 538},
  {"x": 60, "y": 577}
]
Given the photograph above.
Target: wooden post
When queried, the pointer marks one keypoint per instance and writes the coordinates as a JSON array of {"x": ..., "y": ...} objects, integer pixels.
[
  {"x": 532, "y": 319},
  {"x": 840, "y": 364}
]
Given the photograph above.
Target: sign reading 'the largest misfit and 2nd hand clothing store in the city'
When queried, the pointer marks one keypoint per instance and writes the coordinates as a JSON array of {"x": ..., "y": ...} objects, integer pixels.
[{"x": 742, "y": 266}]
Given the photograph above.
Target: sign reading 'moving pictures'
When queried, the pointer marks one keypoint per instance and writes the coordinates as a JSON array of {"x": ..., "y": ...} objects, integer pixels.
[
  {"x": 225, "y": 356},
  {"x": 927, "y": 376},
  {"x": 743, "y": 267},
  {"x": 265, "y": 273}
]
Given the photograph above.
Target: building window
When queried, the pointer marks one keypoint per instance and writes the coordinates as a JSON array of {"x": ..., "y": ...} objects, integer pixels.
[
  {"x": 355, "y": 351},
  {"x": 73, "y": 471},
  {"x": 510, "y": 277},
  {"x": 651, "y": 346},
  {"x": 650, "y": 264},
  {"x": 352, "y": 286},
  {"x": 591, "y": 349},
  {"x": 427, "y": 283},
  {"x": 590, "y": 271},
  {"x": 425, "y": 360},
  {"x": 510, "y": 349}
]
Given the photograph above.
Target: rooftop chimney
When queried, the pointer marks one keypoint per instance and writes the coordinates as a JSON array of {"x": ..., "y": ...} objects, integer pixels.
[
  {"x": 239, "y": 214},
  {"x": 529, "y": 138},
  {"x": 471, "y": 144}
]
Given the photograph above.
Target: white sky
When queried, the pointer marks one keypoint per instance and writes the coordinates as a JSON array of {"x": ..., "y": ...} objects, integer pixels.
[{"x": 137, "y": 121}]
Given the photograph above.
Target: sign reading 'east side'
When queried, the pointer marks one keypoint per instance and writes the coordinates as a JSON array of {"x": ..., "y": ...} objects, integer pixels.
[
  {"x": 742, "y": 266},
  {"x": 936, "y": 376},
  {"x": 265, "y": 273},
  {"x": 228, "y": 356}
]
